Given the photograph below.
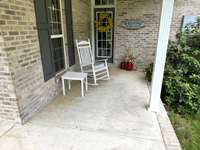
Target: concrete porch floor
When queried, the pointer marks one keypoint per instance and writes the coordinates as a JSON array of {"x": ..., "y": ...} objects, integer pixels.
[{"x": 112, "y": 116}]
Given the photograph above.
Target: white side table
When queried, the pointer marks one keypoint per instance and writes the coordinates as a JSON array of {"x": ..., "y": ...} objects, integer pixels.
[{"x": 75, "y": 76}]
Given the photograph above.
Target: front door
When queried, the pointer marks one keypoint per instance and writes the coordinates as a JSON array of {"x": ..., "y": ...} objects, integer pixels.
[{"x": 104, "y": 33}]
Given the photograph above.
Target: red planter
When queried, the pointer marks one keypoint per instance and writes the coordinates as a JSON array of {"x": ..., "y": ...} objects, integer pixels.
[
  {"x": 129, "y": 66},
  {"x": 123, "y": 65}
]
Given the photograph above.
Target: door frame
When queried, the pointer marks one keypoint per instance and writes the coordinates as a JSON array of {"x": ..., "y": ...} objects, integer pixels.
[
  {"x": 93, "y": 6},
  {"x": 110, "y": 60}
]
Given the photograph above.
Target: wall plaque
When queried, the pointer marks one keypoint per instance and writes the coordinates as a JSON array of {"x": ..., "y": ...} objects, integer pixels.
[{"x": 132, "y": 24}]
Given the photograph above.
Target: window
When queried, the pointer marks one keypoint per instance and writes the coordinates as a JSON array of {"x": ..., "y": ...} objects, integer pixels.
[
  {"x": 51, "y": 39},
  {"x": 55, "y": 17},
  {"x": 104, "y": 2},
  {"x": 54, "y": 14},
  {"x": 58, "y": 54}
]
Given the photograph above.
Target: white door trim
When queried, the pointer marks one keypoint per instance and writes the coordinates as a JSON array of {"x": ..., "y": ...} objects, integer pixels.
[{"x": 92, "y": 23}]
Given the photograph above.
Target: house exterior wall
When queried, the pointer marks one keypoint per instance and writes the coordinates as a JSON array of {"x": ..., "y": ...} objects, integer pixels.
[
  {"x": 8, "y": 101},
  {"x": 22, "y": 47},
  {"x": 188, "y": 7},
  {"x": 81, "y": 11},
  {"x": 144, "y": 41},
  {"x": 23, "y": 91}
]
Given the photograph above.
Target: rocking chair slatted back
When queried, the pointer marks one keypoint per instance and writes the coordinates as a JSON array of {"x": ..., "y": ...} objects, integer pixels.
[{"x": 85, "y": 53}]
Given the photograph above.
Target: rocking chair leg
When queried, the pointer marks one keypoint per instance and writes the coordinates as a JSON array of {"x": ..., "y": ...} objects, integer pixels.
[
  {"x": 95, "y": 79},
  {"x": 107, "y": 71},
  {"x": 108, "y": 74}
]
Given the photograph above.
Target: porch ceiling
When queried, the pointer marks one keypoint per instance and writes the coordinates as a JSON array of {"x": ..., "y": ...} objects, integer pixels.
[{"x": 107, "y": 118}]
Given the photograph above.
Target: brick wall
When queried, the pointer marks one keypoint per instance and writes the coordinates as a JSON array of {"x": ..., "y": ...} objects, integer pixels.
[
  {"x": 23, "y": 91},
  {"x": 22, "y": 47},
  {"x": 143, "y": 41},
  {"x": 181, "y": 8},
  {"x": 81, "y": 10},
  {"x": 8, "y": 100}
]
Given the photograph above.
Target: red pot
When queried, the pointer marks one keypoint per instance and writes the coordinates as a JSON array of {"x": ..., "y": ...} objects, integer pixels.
[
  {"x": 129, "y": 66},
  {"x": 123, "y": 65}
]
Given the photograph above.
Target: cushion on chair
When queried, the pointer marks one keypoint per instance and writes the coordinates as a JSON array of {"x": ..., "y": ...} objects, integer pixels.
[{"x": 99, "y": 65}]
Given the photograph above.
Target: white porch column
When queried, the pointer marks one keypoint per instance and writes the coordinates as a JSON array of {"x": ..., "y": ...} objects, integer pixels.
[{"x": 159, "y": 65}]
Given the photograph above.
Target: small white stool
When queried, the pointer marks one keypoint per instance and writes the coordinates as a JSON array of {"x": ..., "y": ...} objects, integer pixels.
[{"x": 75, "y": 76}]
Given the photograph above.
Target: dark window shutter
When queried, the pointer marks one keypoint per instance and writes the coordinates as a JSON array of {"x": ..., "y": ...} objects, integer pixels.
[
  {"x": 70, "y": 36},
  {"x": 44, "y": 38}
]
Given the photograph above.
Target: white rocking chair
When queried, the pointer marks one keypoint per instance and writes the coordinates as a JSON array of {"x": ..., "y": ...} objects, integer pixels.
[{"x": 96, "y": 70}]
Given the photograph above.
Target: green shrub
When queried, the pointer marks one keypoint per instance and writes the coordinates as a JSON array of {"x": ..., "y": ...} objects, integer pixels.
[{"x": 181, "y": 85}]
